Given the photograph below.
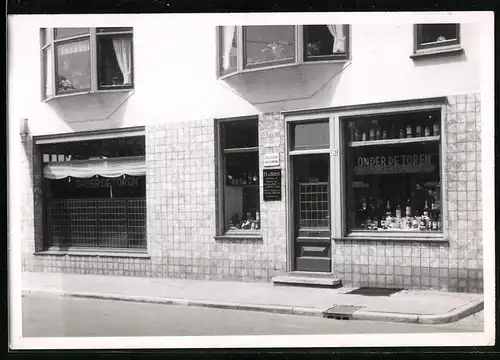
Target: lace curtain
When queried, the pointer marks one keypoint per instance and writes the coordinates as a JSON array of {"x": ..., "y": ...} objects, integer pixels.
[
  {"x": 123, "y": 50},
  {"x": 339, "y": 38}
]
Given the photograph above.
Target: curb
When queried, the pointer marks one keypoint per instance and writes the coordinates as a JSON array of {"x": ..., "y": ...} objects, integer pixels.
[
  {"x": 277, "y": 309},
  {"x": 448, "y": 317}
]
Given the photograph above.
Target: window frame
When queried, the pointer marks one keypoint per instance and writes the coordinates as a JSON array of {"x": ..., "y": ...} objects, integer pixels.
[
  {"x": 433, "y": 46},
  {"x": 92, "y": 37},
  {"x": 300, "y": 58},
  {"x": 221, "y": 231}
]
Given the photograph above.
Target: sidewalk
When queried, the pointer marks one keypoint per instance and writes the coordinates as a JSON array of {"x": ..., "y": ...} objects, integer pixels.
[{"x": 426, "y": 307}]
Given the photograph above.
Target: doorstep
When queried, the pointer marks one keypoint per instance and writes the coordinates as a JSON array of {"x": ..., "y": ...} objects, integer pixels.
[{"x": 312, "y": 279}]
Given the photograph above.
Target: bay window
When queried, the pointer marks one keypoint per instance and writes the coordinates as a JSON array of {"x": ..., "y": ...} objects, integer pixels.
[
  {"x": 239, "y": 176},
  {"x": 392, "y": 164},
  {"x": 79, "y": 60},
  {"x": 244, "y": 48}
]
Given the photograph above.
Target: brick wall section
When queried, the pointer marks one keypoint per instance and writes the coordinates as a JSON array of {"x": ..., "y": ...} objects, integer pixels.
[{"x": 455, "y": 265}]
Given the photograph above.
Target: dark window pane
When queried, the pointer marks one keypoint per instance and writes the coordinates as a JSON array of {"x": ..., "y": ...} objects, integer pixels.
[
  {"x": 394, "y": 187},
  {"x": 324, "y": 41},
  {"x": 269, "y": 45},
  {"x": 62, "y": 33},
  {"x": 115, "y": 60},
  {"x": 113, "y": 29},
  {"x": 240, "y": 134},
  {"x": 310, "y": 135},
  {"x": 108, "y": 148},
  {"x": 228, "y": 49},
  {"x": 73, "y": 66},
  {"x": 241, "y": 191},
  {"x": 438, "y": 32}
]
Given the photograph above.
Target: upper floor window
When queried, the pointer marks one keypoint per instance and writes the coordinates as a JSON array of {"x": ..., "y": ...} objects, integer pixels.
[
  {"x": 430, "y": 36},
  {"x": 251, "y": 47},
  {"x": 86, "y": 59}
]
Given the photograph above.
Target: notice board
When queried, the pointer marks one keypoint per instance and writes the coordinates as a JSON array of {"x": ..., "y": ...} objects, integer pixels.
[{"x": 272, "y": 184}]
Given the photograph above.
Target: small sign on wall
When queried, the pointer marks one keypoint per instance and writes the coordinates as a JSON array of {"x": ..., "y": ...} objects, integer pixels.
[
  {"x": 272, "y": 184},
  {"x": 272, "y": 159}
]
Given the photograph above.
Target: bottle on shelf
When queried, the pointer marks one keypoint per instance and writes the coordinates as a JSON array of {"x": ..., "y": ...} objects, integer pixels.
[
  {"x": 384, "y": 134},
  {"x": 427, "y": 131},
  {"x": 363, "y": 136},
  {"x": 398, "y": 212},
  {"x": 250, "y": 178},
  {"x": 351, "y": 130},
  {"x": 438, "y": 222},
  {"x": 357, "y": 135},
  {"x": 408, "y": 208},
  {"x": 378, "y": 133},
  {"x": 435, "y": 129},
  {"x": 418, "y": 131},
  {"x": 388, "y": 212},
  {"x": 408, "y": 131},
  {"x": 244, "y": 180},
  {"x": 401, "y": 133},
  {"x": 372, "y": 133}
]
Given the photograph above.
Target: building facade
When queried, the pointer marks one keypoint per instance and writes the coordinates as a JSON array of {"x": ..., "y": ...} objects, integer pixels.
[{"x": 346, "y": 150}]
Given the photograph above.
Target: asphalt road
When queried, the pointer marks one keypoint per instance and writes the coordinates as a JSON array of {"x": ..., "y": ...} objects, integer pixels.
[{"x": 54, "y": 316}]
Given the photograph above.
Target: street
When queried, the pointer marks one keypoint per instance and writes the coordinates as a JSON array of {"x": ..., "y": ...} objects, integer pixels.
[{"x": 54, "y": 316}]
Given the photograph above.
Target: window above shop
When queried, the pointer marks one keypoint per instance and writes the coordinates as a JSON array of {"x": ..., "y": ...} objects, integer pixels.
[
  {"x": 437, "y": 38},
  {"x": 248, "y": 48},
  {"x": 84, "y": 60}
]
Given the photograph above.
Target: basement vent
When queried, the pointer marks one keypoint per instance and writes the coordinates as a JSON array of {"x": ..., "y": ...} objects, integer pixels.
[{"x": 374, "y": 291}]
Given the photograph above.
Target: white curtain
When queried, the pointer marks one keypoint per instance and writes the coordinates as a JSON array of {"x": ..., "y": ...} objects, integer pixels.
[
  {"x": 339, "y": 37},
  {"x": 49, "y": 73},
  {"x": 111, "y": 168},
  {"x": 123, "y": 51},
  {"x": 227, "y": 44}
]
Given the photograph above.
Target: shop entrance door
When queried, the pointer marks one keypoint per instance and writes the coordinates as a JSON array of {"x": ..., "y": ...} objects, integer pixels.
[{"x": 312, "y": 242}]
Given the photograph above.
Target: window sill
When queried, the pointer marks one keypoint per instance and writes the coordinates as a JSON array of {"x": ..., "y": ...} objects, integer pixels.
[
  {"x": 96, "y": 92},
  {"x": 281, "y": 66},
  {"x": 251, "y": 235},
  {"x": 438, "y": 51},
  {"x": 96, "y": 253},
  {"x": 395, "y": 236}
]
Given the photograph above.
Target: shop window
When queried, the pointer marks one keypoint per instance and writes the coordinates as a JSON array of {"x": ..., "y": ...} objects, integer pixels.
[
  {"x": 254, "y": 47},
  {"x": 325, "y": 42},
  {"x": 67, "y": 55},
  {"x": 436, "y": 35},
  {"x": 95, "y": 194},
  {"x": 392, "y": 164},
  {"x": 240, "y": 174}
]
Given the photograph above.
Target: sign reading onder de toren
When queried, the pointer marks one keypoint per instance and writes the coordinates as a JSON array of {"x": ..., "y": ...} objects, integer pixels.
[{"x": 394, "y": 164}]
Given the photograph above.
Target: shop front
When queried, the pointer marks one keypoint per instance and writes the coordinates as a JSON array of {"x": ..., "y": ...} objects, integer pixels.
[{"x": 387, "y": 195}]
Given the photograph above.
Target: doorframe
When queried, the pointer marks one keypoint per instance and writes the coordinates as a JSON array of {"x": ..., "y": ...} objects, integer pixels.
[{"x": 290, "y": 188}]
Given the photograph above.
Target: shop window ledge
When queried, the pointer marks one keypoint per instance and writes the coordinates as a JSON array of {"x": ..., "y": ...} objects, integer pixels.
[
  {"x": 438, "y": 237},
  {"x": 240, "y": 236},
  {"x": 419, "y": 139},
  {"x": 96, "y": 253}
]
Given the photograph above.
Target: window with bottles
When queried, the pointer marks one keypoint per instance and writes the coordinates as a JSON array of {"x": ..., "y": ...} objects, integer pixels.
[
  {"x": 429, "y": 36},
  {"x": 240, "y": 166},
  {"x": 266, "y": 46},
  {"x": 69, "y": 65},
  {"x": 392, "y": 165}
]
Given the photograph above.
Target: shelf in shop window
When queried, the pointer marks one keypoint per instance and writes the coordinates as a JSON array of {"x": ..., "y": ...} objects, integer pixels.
[{"x": 419, "y": 139}]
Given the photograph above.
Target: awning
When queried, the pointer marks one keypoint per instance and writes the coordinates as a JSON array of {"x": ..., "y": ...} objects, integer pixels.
[{"x": 111, "y": 168}]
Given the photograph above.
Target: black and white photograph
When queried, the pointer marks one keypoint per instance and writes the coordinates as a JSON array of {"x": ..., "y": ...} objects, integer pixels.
[{"x": 251, "y": 180}]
